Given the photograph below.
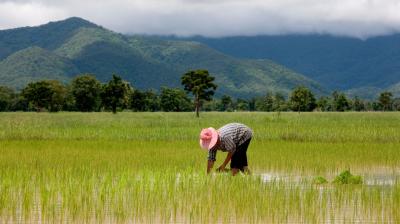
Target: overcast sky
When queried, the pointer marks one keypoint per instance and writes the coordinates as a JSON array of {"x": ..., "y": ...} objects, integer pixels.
[{"x": 359, "y": 18}]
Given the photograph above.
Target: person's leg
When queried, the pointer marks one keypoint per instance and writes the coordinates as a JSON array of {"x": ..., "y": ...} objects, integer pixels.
[
  {"x": 234, "y": 171},
  {"x": 239, "y": 159},
  {"x": 236, "y": 162},
  {"x": 245, "y": 164},
  {"x": 244, "y": 147}
]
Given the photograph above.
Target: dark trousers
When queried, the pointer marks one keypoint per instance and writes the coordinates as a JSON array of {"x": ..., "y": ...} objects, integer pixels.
[{"x": 239, "y": 157}]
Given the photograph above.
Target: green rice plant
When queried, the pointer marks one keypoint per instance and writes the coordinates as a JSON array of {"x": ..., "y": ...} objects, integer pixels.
[
  {"x": 148, "y": 168},
  {"x": 346, "y": 177},
  {"x": 319, "y": 180}
]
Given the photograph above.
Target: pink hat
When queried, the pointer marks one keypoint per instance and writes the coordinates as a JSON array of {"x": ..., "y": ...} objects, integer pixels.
[{"x": 208, "y": 138}]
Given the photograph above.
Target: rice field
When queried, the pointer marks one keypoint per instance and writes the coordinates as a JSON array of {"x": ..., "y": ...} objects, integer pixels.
[{"x": 149, "y": 168}]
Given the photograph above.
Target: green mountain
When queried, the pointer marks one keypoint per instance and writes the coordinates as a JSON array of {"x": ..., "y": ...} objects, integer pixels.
[
  {"x": 49, "y": 36},
  {"x": 338, "y": 63},
  {"x": 33, "y": 64},
  {"x": 234, "y": 76},
  {"x": 368, "y": 92},
  {"x": 371, "y": 92},
  {"x": 61, "y": 50}
]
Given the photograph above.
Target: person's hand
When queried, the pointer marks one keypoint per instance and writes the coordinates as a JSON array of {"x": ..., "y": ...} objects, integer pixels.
[{"x": 221, "y": 169}]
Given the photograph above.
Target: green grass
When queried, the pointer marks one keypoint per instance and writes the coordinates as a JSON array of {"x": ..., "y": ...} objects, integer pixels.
[{"x": 148, "y": 167}]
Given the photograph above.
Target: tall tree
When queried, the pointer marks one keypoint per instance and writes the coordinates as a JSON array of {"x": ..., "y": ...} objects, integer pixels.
[
  {"x": 279, "y": 102},
  {"x": 268, "y": 102},
  {"x": 242, "y": 105},
  {"x": 213, "y": 105},
  {"x": 151, "y": 101},
  {"x": 144, "y": 101},
  {"x": 20, "y": 103},
  {"x": 386, "y": 100},
  {"x": 323, "y": 103},
  {"x": 47, "y": 94},
  {"x": 252, "y": 103},
  {"x": 70, "y": 101},
  {"x": 86, "y": 90},
  {"x": 226, "y": 103},
  {"x": 271, "y": 102},
  {"x": 302, "y": 99},
  {"x": 200, "y": 84},
  {"x": 340, "y": 101},
  {"x": 115, "y": 93},
  {"x": 38, "y": 94},
  {"x": 138, "y": 100},
  {"x": 174, "y": 100},
  {"x": 358, "y": 104},
  {"x": 59, "y": 94}
]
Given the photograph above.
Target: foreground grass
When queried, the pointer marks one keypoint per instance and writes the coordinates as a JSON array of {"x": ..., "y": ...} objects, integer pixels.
[{"x": 148, "y": 167}]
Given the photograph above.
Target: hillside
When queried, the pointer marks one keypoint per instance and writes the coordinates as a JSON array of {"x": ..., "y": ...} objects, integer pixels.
[
  {"x": 33, "y": 64},
  {"x": 61, "y": 50},
  {"x": 49, "y": 36},
  {"x": 234, "y": 76},
  {"x": 335, "y": 62}
]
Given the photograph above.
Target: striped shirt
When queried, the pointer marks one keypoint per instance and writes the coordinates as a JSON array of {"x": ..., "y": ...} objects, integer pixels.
[{"x": 230, "y": 137}]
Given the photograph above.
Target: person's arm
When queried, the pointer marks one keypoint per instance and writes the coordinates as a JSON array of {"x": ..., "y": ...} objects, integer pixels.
[
  {"x": 227, "y": 159},
  {"x": 212, "y": 154}
]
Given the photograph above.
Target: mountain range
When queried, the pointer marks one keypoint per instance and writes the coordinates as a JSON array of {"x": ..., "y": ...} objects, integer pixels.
[
  {"x": 63, "y": 49},
  {"x": 358, "y": 67}
]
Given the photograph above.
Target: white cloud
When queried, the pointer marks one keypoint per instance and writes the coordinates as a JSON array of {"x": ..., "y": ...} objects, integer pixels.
[
  {"x": 17, "y": 14},
  {"x": 360, "y": 18}
]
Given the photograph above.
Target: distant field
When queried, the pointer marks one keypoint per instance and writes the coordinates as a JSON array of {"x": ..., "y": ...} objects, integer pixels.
[{"x": 148, "y": 167}]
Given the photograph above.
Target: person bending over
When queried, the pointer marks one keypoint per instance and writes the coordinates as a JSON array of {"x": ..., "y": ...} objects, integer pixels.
[{"x": 233, "y": 138}]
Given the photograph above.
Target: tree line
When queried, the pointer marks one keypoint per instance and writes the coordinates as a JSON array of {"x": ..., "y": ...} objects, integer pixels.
[
  {"x": 86, "y": 93},
  {"x": 301, "y": 99}
]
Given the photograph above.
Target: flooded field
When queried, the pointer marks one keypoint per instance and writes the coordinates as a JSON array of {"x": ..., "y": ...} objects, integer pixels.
[
  {"x": 369, "y": 179},
  {"x": 148, "y": 167}
]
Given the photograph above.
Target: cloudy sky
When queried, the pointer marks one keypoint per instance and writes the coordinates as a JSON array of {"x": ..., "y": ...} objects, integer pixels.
[{"x": 358, "y": 18}]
